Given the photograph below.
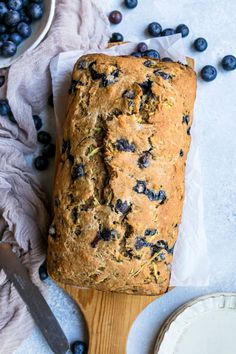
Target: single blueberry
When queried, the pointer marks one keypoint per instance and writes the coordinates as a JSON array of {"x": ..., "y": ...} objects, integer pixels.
[
  {"x": 143, "y": 161},
  {"x": 43, "y": 274},
  {"x": 8, "y": 49},
  {"x": 44, "y": 137},
  {"x": 162, "y": 74},
  {"x": 136, "y": 54},
  {"x": 35, "y": 11},
  {"x": 208, "y": 73},
  {"x": 200, "y": 44},
  {"x": 5, "y": 109},
  {"x": 78, "y": 171},
  {"x": 24, "y": 29},
  {"x": 2, "y": 28},
  {"x": 116, "y": 37},
  {"x": 16, "y": 38},
  {"x": 154, "y": 29},
  {"x": 168, "y": 32},
  {"x": 229, "y": 63},
  {"x": 124, "y": 145},
  {"x": 150, "y": 232},
  {"x": 151, "y": 53},
  {"x": 140, "y": 187},
  {"x": 41, "y": 163},
  {"x": 131, "y": 4},
  {"x": 12, "y": 18},
  {"x": 183, "y": 30},
  {"x": 2, "y": 80},
  {"x": 122, "y": 207},
  {"x": 140, "y": 243},
  {"x": 15, "y": 4},
  {"x": 79, "y": 347},
  {"x": 115, "y": 17},
  {"x": 3, "y": 9},
  {"x": 37, "y": 122},
  {"x": 142, "y": 47},
  {"x": 49, "y": 150},
  {"x": 166, "y": 59}
]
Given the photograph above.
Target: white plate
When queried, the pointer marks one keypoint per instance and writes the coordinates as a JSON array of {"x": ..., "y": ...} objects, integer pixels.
[
  {"x": 39, "y": 31},
  {"x": 206, "y": 325}
]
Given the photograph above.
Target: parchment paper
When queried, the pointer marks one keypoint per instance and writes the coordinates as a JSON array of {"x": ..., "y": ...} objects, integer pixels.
[{"x": 190, "y": 263}]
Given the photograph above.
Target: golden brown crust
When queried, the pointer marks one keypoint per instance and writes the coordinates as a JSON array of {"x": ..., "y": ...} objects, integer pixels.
[{"x": 120, "y": 181}]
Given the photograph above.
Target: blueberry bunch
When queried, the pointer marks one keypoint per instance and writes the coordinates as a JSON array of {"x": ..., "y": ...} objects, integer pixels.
[{"x": 16, "y": 17}]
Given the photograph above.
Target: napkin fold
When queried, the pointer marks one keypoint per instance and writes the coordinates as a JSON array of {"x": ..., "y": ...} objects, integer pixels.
[{"x": 24, "y": 218}]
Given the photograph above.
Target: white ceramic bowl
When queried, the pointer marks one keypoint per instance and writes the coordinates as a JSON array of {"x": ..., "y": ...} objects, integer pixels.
[{"x": 39, "y": 31}]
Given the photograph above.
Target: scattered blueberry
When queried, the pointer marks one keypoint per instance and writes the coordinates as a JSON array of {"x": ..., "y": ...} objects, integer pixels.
[
  {"x": 122, "y": 207},
  {"x": 166, "y": 59},
  {"x": 15, "y": 5},
  {"x": 154, "y": 29},
  {"x": 41, "y": 163},
  {"x": 200, "y": 44},
  {"x": 37, "y": 122},
  {"x": 208, "y": 73},
  {"x": 16, "y": 38},
  {"x": 2, "y": 28},
  {"x": 116, "y": 37},
  {"x": 142, "y": 47},
  {"x": 79, "y": 347},
  {"x": 115, "y": 17},
  {"x": 3, "y": 9},
  {"x": 124, "y": 145},
  {"x": 44, "y": 137},
  {"x": 168, "y": 32},
  {"x": 150, "y": 232},
  {"x": 229, "y": 63},
  {"x": 131, "y": 4},
  {"x": 2, "y": 80},
  {"x": 5, "y": 109},
  {"x": 24, "y": 29},
  {"x": 12, "y": 18},
  {"x": 50, "y": 100},
  {"x": 49, "y": 150},
  {"x": 140, "y": 187},
  {"x": 35, "y": 11},
  {"x": 151, "y": 53},
  {"x": 143, "y": 161},
  {"x": 136, "y": 54},
  {"x": 78, "y": 171},
  {"x": 183, "y": 29},
  {"x": 43, "y": 274}
]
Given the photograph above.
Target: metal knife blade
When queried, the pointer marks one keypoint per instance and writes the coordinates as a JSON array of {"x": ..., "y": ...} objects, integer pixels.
[{"x": 36, "y": 304}]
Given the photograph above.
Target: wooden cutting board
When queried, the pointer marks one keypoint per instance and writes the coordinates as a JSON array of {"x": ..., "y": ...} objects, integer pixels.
[{"x": 109, "y": 317}]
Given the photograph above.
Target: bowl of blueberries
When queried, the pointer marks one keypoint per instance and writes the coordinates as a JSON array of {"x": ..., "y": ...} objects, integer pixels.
[{"x": 23, "y": 25}]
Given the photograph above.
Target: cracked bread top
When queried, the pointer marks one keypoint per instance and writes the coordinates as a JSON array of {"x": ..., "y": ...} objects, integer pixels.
[{"x": 119, "y": 186}]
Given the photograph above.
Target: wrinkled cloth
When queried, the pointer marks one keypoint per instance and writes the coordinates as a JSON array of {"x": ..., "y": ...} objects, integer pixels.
[{"x": 24, "y": 217}]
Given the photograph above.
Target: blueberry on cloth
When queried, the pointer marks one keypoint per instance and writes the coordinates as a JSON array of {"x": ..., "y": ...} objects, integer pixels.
[
  {"x": 78, "y": 171},
  {"x": 12, "y": 18},
  {"x": 142, "y": 47},
  {"x": 115, "y": 17},
  {"x": 79, "y": 347},
  {"x": 41, "y": 163},
  {"x": 140, "y": 187},
  {"x": 12, "y": 118},
  {"x": 2, "y": 80},
  {"x": 37, "y": 122},
  {"x": 154, "y": 29},
  {"x": 183, "y": 30},
  {"x": 131, "y": 4},
  {"x": 229, "y": 63},
  {"x": 44, "y": 137},
  {"x": 116, "y": 37},
  {"x": 151, "y": 53},
  {"x": 16, "y": 38},
  {"x": 168, "y": 32},
  {"x": 5, "y": 109},
  {"x": 15, "y": 4},
  {"x": 43, "y": 274},
  {"x": 208, "y": 73},
  {"x": 200, "y": 44},
  {"x": 35, "y": 11},
  {"x": 24, "y": 29},
  {"x": 49, "y": 150},
  {"x": 122, "y": 207},
  {"x": 124, "y": 145}
]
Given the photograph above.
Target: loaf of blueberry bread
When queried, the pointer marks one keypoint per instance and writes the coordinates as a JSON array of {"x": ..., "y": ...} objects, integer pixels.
[{"x": 119, "y": 186}]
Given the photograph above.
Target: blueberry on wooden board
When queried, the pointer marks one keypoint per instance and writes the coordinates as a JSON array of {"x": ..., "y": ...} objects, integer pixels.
[
  {"x": 79, "y": 347},
  {"x": 183, "y": 30},
  {"x": 200, "y": 44},
  {"x": 41, "y": 163},
  {"x": 208, "y": 73},
  {"x": 77, "y": 171},
  {"x": 116, "y": 37},
  {"x": 44, "y": 137},
  {"x": 131, "y": 4},
  {"x": 124, "y": 145},
  {"x": 37, "y": 122},
  {"x": 229, "y": 63},
  {"x": 115, "y": 17},
  {"x": 154, "y": 29}
]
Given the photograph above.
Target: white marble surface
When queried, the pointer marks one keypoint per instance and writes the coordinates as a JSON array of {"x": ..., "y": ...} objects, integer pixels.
[{"x": 215, "y": 118}]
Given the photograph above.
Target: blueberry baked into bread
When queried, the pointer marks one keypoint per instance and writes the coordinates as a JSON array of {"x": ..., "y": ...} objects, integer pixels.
[{"x": 119, "y": 187}]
